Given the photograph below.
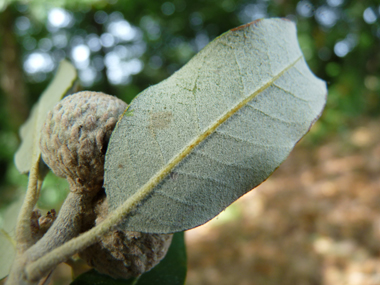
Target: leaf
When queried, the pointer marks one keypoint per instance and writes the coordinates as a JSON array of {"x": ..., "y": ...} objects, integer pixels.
[
  {"x": 30, "y": 132},
  {"x": 170, "y": 271},
  {"x": 7, "y": 236},
  {"x": 93, "y": 277},
  {"x": 214, "y": 130}
]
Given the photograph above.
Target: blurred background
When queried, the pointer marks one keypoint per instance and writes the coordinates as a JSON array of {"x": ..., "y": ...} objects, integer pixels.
[{"x": 317, "y": 219}]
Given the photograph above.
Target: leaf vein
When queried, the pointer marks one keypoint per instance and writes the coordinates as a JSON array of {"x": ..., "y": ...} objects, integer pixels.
[{"x": 221, "y": 162}]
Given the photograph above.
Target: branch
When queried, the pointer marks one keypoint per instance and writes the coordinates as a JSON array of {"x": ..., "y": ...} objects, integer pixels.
[
  {"x": 23, "y": 227},
  {"x": 38, "y": 268},
  {"x": 67, "y": 226}
]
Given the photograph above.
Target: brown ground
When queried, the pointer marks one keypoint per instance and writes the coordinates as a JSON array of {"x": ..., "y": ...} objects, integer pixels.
[{"x": 315, "y": 221}]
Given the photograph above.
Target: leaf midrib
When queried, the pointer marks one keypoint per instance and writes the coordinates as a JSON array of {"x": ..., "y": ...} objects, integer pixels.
[{"x": 148, "y": 187}]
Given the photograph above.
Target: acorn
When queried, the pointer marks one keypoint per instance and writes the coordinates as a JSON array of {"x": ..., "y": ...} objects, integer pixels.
[
  {"x": 75, "y": 136},
  {"x": 125, "y": 254},
  {"x": 73, "y": 143}
]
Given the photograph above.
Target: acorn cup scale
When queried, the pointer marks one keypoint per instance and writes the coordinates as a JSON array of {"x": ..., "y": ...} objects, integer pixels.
[
  {"x": 123, "y": 254},
  {"x": 73, "y": 143},
  {"x": 75, "y": 136}
]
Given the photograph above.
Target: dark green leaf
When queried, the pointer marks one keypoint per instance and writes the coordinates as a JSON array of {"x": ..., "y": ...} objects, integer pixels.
[
  {"x": 172, "y": 269},
  {"x": 93, "y": 277}
]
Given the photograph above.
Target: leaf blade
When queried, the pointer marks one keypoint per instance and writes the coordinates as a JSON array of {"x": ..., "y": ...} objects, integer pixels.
[
  {"x": 181, "y": 136},
  {"x": 61, "y": 85},
  {"x": 7, "y": 236}
]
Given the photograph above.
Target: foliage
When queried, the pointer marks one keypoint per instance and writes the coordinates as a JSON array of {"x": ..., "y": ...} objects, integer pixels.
[
  {"x": 272, "y": 105},
  {"x": 30, "y": 132},
  {"x": 170, "y": 33},
  {"x": 7, "y": 236},
  {"x": 214, "y": 130}
]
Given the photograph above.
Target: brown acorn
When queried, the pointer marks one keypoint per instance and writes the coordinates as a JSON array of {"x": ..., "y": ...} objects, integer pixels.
[
  {"x": 75, "y": 136},
  {"x": 123, "y": 254}
]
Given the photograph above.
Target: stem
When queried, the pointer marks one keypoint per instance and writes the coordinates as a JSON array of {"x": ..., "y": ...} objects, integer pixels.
[
  {"x": 65, "y": 227},
  {"x": 23, "y": 230},
  {"x": 77, "y": 244}
]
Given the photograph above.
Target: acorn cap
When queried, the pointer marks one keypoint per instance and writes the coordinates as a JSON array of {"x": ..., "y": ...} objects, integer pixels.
[
  {"x": 75, "y": 136},
  {"x": 123, "y": 254}
]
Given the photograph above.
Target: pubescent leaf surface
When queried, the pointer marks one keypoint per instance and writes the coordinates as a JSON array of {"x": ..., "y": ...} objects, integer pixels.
[
  {"x": 30, "y": 132},
  {"x": 214, "y": 130}
]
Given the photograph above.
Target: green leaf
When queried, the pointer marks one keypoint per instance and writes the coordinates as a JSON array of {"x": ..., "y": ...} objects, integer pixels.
[
  {"x": 30, "y": 133},
  {"x": 214, "y": 130},
  {"x": 7, "y": 236},
  {"x": 93, "y": 277},
  {"x": 170, "y": 271}
]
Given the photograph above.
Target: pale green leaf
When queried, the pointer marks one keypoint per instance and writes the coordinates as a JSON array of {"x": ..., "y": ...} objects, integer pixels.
[
  {"x": 30, "y": 133},
  {"x": 214, "y": 130},
  {"x": 7, "y": 236}
]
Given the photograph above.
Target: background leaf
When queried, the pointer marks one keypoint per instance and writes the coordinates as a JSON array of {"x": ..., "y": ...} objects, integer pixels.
[
  {"x": 93, "y": 277},
  {"x": 7, "y": 236},
  {"x": 170, "y": 271},
  {"x": 61, "y": 85},
  {"x": 214, "y": 130}
]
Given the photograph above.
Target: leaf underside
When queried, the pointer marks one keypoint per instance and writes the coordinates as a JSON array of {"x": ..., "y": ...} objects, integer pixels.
[
  {"x": 30, "y": 132},
  {"x": 214, "y": 130}
]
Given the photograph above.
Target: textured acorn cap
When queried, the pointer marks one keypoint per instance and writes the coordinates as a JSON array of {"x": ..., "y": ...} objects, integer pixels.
[
  {"x": 123, "y": 254},
  {"x": 75, "y": 136}
]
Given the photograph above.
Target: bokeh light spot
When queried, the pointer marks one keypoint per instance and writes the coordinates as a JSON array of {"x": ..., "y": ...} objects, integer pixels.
[
  {"x": 326, "y": 16},
  {"x": 335, "y": 3},
  {"x": 80, "y": 53},
  {"x": 369, "y": 16},
  {"x": 100, "y": 17},
  {"x": 107, "y": 40},
  {"x": 305, "y": 9},
  {"x": 168, "y": 8},
  {"x": 341, "y": 48},
  {"x": 22, "y": 23},
  {"x": 38, "y": 62},
  {"x": 122, "y": 29},
  {"x": 59, "y": 17},
  {"x": 93, "y": 42}
]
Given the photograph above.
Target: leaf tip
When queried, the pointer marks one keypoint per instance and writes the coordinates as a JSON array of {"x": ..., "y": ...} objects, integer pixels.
[{"x": 253, "y": 23}]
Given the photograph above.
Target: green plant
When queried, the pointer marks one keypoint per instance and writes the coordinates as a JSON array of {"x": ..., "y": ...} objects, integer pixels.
[{"x": 183, "y": 150}]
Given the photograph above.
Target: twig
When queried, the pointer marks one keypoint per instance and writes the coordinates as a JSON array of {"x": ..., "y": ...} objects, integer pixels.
[
  {"x": 67, "y": 225},
  {"x": 23, "y": 229},
  {"x": 35, "y": 270}
]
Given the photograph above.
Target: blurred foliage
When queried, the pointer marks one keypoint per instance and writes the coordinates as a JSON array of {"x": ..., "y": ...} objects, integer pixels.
[{"x": 122, "y": 47}]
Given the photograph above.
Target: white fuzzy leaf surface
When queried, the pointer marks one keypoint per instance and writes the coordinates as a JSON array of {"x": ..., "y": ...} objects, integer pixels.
[{"x": 214, "y": 130}]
